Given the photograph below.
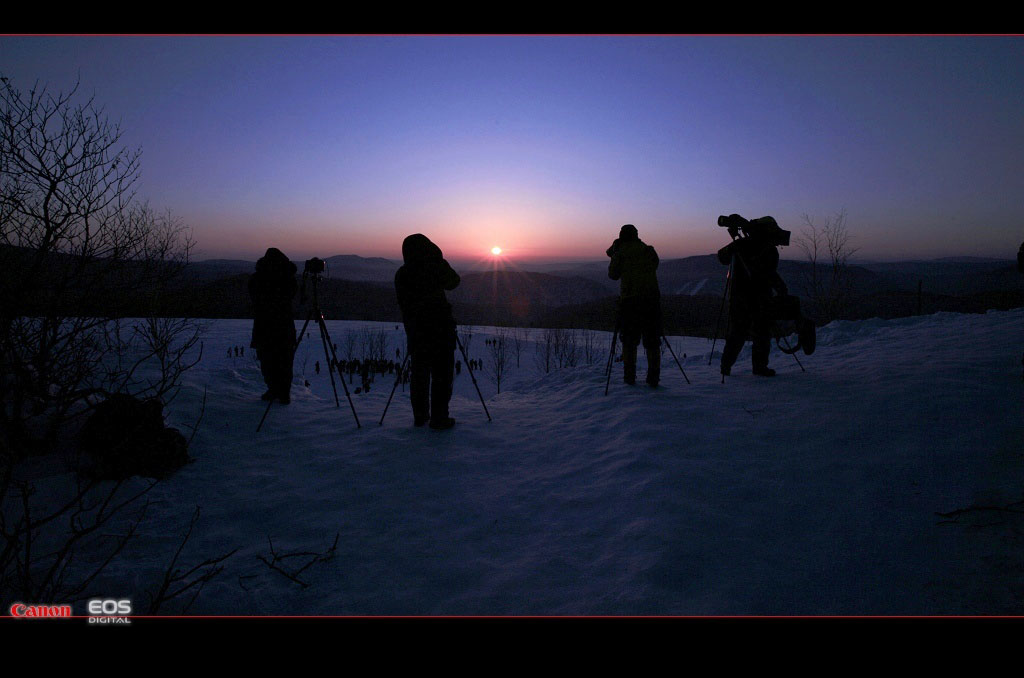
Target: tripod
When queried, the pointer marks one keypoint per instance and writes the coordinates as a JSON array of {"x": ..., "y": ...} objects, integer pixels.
[
  {"x": 329, "y": 352},
  {"x": 402, "y": 370},
  {"x": 611, "y": 358}
]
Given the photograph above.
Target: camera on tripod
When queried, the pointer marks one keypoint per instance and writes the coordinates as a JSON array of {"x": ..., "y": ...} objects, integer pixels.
[
  {"x": 764, "y": 227},
  {"x": 314, "y": 266}
]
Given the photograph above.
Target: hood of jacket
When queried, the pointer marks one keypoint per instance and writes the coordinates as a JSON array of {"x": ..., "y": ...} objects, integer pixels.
[
  {"x": 418, "y": 248},
  {"x": 275, "y": 261}
]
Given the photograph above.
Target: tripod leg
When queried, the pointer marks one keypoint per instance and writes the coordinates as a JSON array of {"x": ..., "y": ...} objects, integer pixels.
[
  {"x": 471, "y": 376},
  {"x": 393, "y": 389},
  {"x": 721, "y": 310},
  {"x": 611, "y": 355},
  {"x": 788, "y": 349},
  {"x": 265, "y": 413},
  {"x": 327, "y": 356},
  {"x": 330, "y": 353},
  {"x": 298, "y": 339},
  {"x": 797, "y": 359},
  {"x": 611, "y": 359},
  {"x": 676, "y": 359}
]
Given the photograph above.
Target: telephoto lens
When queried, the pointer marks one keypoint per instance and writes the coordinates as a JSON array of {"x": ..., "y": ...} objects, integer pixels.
[{"x": 732, "y": 221}]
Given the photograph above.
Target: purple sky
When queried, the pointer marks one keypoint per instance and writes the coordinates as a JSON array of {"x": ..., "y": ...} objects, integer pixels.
[{"x": 545, "y": 146}]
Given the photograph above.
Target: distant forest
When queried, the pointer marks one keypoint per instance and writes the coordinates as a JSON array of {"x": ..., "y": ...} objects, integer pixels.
[{"x": 580, "y": 296}]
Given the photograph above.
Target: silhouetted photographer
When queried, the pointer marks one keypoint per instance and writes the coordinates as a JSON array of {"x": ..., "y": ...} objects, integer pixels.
[
  {"x": 429, "y": 327},
  {"x": 635, "y": 264},
  {"x": 272, "y": 288},
  {"x": 758, "y": 296}
]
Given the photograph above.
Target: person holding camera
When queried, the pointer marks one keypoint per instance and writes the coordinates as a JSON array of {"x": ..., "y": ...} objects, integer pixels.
[
  {"x": 755, "y": 263},
  {"x": 635, "y": 264},
  {"x": 429, "y": 328},
  {"x": 271, "y": 289}
]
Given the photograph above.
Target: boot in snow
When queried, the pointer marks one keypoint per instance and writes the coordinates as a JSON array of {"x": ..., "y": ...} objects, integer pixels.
[
  {"x": 653, "y": 367},
  {"x": 629, "y": 364},
  {"x": 442, "y": 424}
]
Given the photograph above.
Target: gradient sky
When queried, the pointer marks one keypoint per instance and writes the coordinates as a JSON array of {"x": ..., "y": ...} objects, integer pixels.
[{"x": 545, "y": 146}]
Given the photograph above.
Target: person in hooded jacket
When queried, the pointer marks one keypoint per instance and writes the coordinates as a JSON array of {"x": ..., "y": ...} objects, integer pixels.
[
  {"x": 755, "y": 263},
  {"x": 271, "y": 289},
  {"x": 635, "y": 264},
  {"x": 429, "y": 327}
]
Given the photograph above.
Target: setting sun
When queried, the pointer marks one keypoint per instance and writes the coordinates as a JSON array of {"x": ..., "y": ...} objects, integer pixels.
[{"x": 495, "y": 251}]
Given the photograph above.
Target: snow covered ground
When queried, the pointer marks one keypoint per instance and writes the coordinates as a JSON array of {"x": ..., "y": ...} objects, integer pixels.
[{"x": 811, "y": 493}]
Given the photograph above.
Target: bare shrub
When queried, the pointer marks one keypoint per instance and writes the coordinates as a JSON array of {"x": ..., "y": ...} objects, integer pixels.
[
  {"x": 499, "y": 356},
  {"x": 828, "y": 284}
]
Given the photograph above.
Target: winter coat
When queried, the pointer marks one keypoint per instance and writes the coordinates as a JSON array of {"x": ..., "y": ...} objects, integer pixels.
[
  {"x": 755, "y": 273},
  {"x": 635, "y": 264},
  {"x": 420, "y": 285},
  {"x": 271, "y": 289}
]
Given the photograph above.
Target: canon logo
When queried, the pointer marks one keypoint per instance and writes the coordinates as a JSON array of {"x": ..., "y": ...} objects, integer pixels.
[{"x": 39, "y": 611}]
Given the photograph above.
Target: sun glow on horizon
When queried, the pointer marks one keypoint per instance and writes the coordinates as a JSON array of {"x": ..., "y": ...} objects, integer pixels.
[{"x": 495, "y": 250}]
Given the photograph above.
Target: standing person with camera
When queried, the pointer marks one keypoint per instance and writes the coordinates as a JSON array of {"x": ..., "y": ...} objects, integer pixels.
[
  {"x": 429, "y": 327},
  {"x": 755, "y": 263},
  {"x": 271, "y": 289},
  {"x": 635, "y": 263}
]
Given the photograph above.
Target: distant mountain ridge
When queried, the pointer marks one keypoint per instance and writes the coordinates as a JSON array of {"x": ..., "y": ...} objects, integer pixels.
[
  {"x": 575, "y": 295},
  {"x": 701, "y": 274}
]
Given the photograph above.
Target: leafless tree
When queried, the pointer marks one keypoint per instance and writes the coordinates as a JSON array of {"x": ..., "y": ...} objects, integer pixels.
[
  {"x": 499, "y": 356},
  {"x": 567, "y": 353},
  {"x": 349, "y": 347},
  {"x": 466, "y": 336},
  {"x": 557, "y": 347},
  {"x": 85, "y": 271},
  {"x": 544, "y": 351},
  {"x": 589, "y": 347},
  {"x": 828, "y": 284},
  {"x": 380, "y": 344},
  {"x": 79, "y": 257},
  {"x": 520, "y": 337}
]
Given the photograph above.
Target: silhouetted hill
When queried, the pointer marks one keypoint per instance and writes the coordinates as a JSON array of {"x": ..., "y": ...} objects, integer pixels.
[
  {"x": 340, "y": 266},
  {"x": 954, "y": 275},
  {"x": 704, "y": 274},
  {"x": 579, "y": 296},
  {"x": 339, "y": 300},
  {"x": 212, "y": 269},
  {"x": 692, "y": 315},
  {"x": 353, "y": 267},
  {"x": 525, "y": 289}
]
